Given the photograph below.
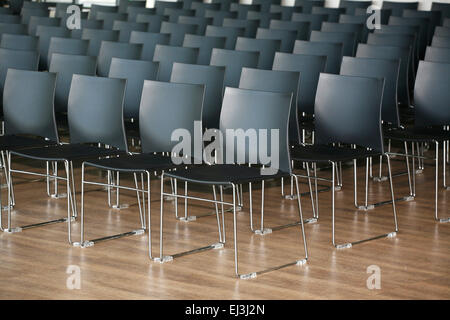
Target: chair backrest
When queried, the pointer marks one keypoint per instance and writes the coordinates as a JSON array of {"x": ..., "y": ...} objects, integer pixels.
[
  {"x": 286, "y": 12},
  {"x": 243, "y": 9},
  {"x": 442, "y": 42},
  {"x": 42, "y": 21},
  {"x": 26, "y": 14},
  {"x": 134, "y": 11},
  {"x": 307, "y": 5},
  {"x": 177, "y": 31},
  {"x": 263, "y": 17},
  {"x": 390, "y": 52},
  {"x": 265, "y": 4},
  {"x": 174, "y": 13},
  {"x": 9, "y": 18},
  {"x": 67, "y": 46},
  {"x": 135, "y": 72},
  {"x": 200, "y": 22},
  {"x": 310, "y": 67},
  {"x": 431, "y": 94},
  {"x": 19, "y": 42},
  {"x": 108, "y": 18},
  {"x": 422, "y": 23},
  {"x": 381, "y": 69},
  {"x": 234, "y": 61},
  {"x": 265, "y": 47},
  {"x": 30, "y": 111},
  {"x": 201, "y": 7},
  {"x": 149, "y": 41},
  {"x": 109, "y": 50},
  {"x": 160, "y": 6},
  {"x": 125, "y": 4},
  {"x": 348, "y": 110},
  {"x": 315, "y": 20},
  {"x": 45, "y": 33},
  {"x": 125, "y": 28},
  {"x": 333, "y": 52},
  {"x": 6, "y": 11},
  {"x": 154, "y": 21},
  {"x": 442, "y": 31},
  {"x": 13, "y": 28},
  {"x": 238, "y": 113},
  {"x": 446, "y": 23},
  {"x": 230, "y": 33},
  {"x": 187, "y": 4},
  {"x": 347, "y": 39},
  {"x": 351, "y": 5},
  {"x": 250, "y": 26},
  {"x": 442, "y": 7},
  {"x": 167, "y": 55},
  {"x": 218, "y": 16},
  {"x": 433, "y": 16},
  {"x": 65, "y": 66},
  {"x": 166, "y": 107},
  {"x": 210, "y": 76},
  {"x": 356, "y": 28},
  {"x": 398, "y": 7},
  {"x": 437, "y": 54},
  {"x": 224, "y": 4},
  {"x": 276, "y": 81},
  {"x": 332, "y": 13},
  {"x": 95, "y": 111},
  {"x": 96, "y": 8},
  {"x": 85, "y": 24},
  {"x": 96, "y": 37},
  {"x": 205, "y": 45},
  {"x": 16, "y": 59},
  {"x": 287, "y": 37},
  {"x": 302, "y": 28}
]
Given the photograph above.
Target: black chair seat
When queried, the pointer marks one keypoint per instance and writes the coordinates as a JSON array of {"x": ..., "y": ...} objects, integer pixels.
[
  {"x": 134, "y": 163},
  {"x": 68, "y": 152},
  {"x": 223, "y": 174},
  {"x": 13, "y": 142},
  {"x": 320, "y": 153},
  {"x": 418, "y": 134}
]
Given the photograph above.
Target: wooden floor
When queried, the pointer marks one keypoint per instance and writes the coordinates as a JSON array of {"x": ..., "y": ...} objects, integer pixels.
[{"x": 414, "y": 265}]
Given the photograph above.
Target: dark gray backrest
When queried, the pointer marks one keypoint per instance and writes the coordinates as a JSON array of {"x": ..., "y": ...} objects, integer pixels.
[
  {"x": 349, "y": 18},
  {"x": 332, "y": 13},
  {"x": 390, "y": 52},
  {"x": 177, "y": 31},
  {"x": 432, "y": 95},
  {"x": 96, "y": 8},
  {"x": 96, "y": 37},
  {"x": 276, "y": 81},
  {"x": 218, "y": 16},
  {"x": 42, "y": 21},
  {"x": 85, "y": 24},
  {"x": 95, "y": 111},
  {"x": 436, "y": 54},
  {"x": 166, "y": 107},
  {"x": 287, "y": 37},
  {"x": 347, "y": 39},
  {"x": 26, "y": 14},
  {"x": 9, "y": 18},
  {"x": 205, "y": 45},
  {"x": 167, "y": 55},
  {"x": 108, "y": 18},
  {"x": 243, "y": 9},
  {"x": 6, "y": 11},
  {"x": 109, "y": 49},
  {"x": 30, "y": 111},
  {"x": 256, "y": 110},
  {"x": 201, "y": 7},
  {"x": 315, "y": 20},
  {"x": 443, "y": 42},
  {"x": 265, "y": 4},
  {"x": 154, "y": 21},
  {"x": 380, "y": 69},
  {"x": 433, "y": 16},
  {"x": 125, "y": 4},
  {"x": 16, "y": 59},
  {"x": 161, "y": 5},
  {"x": 302, "y": 28},
  {"x": 398, "y": 7},
  {"x": 19, "y": 42},
  {"x": 225, "y": 4},
  {"x": 135, "y": 72},
  {"x": 187, "y": 4},
  {"x": 13, "y": 28},
  {"x": 67, "y": 46},
  {"x": 286, "y": 12},
  {"x": 263, "y": 17},
  {"x": 149, "y": 41},
  {"x": 356, "y": 28},
  {"x": 125, "y": 28},
  {"x": 250, "y": 26},
  {"x": 442, "y": 31},
  {"x": 210, "y": 76},
  {"x": 234, "y": 61},
  {"x": 45, "y": 33},
  {"x": 65, "y": 66},
  {"x": 134, "y": 11},
  {"x": 333, "y": 52},
  {"x": 308, "y": 4},
  {"x": 310, "y": 67},
  {"x": 348, "y": 110},
  {"x": 442, "y": 7},
  {"x": 174, "y": 13},
  {"x": 36, "y": 5},
  {"x": 200, "y": 22},
  {"x": 230, "y": 33},
  {"x": 351, "y": 5},
  {"x": 446, "y": 22},
  {"x": 265, "y": 47},
  {"x": 422, "y": 23}
]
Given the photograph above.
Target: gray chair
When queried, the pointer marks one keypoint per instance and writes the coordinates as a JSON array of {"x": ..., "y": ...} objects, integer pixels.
[
  {"x": 433, "y": 16},
  {"x": 154, "y": 21},
  {"x": 332, "y": 13},
  {"x": 347, "y": 39},
  {"x": 149, "y": 41},
  {"x": 224, "y": 4},
  {"x": 301, "y": 27},
  {"x": 218, "y": 16},
  {"x": 45, "y": 33},
  {"x": 234, "y": 61},
  {"x": 243, "y": 9},
  {"x": 160, "y": 6},
  {"x": 212, "y": 77},
  {"x": 177, "y": 31},
  {"x": 96, "y": 8},
  {"x": 266, "y": 4},
  {"x": 108, "y": 18},
  {"x": 135, "y": 72},
  {"x": 109, "y": 50},
  {"x": 357, "y": 29},
  {"x": 230, "y": 33},
  {"x": 384, "y": 14},
  {"x": 442, "y": 31},
  {"x": 286, "y": 12},
  {"x": 174, "y": 13},
  {"x": 65, "y": 66},
  {"x": 125, "y": 28},
  {"x": 287, "y": 37},
  {"x": 436, "y": 54},
  {"x": 13, "y": 28},
  {"x": 398, "y": 7},
  {"x": 333, "y": 52},
  {"x": 167, "y": 55},
  {"x": 266, "y": 49},
  {"x": 442, "y": 7},
  {"x": 250, "y": 26},
  {"x": 205, "y": 45},
  {"x": 9, "y": 18},
  {"x": 19, "y": 42},
  {"x": 446, "y": 23},
  {"x": 315, "y": 20},
  {"x": 125, "y": 4},
  {"x": 307, "y": 5},
  {"x": 201, "y": 7},
  {"x": 67, "y": 46},
  {"x": 42, "y": 21},
  {"x": 442, "y": 42},
  {"x": 134, "y": 11},
  {"x": 85, "y": 24},
  {"x": 263, "y": 17},
  {"x": 96, "y": 37},
  {"x": 26, "y": 14},
  {"x": 351, "y": 5},
  {"x": 200, "y": 22},
  {"x": 310, "y": 67},
  {"x": 422, "y": 23}
]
